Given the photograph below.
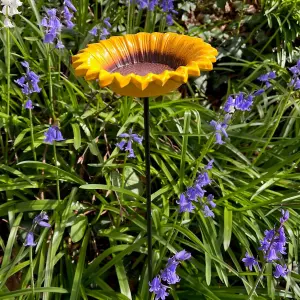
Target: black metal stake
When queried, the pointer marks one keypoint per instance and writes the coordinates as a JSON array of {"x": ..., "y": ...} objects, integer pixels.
[{"x": 148, "y": 185}]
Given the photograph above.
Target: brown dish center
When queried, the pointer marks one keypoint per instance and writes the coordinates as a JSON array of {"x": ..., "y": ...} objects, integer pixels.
[{"x": 143, "y": 68}]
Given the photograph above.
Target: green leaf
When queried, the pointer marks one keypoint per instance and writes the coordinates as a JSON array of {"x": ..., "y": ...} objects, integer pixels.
[
  {"x": 227, "y": 227},
  {"x": 75, "y": 293},
  {"x": 77, "y": 135},
  {"x": 79, "y": 228}
]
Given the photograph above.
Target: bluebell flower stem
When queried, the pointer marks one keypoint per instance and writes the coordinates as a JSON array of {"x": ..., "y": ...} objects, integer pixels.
[
  {"x": 31, "y": 269},
  {"x": 32, "y": 135},
  {"x": 57, "y": 176},
  {"x": 8, "y": 92},
  {"x": 148, "y": 184},
  {"x": 50, "y": 83},
  {"x": 203, "y": 153}
]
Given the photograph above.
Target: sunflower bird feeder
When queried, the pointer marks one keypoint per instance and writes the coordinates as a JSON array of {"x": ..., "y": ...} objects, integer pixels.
[{"x": 145, "y": 65}]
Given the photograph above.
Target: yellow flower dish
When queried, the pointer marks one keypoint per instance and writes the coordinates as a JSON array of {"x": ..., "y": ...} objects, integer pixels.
[{"x": 144, "y": 64}]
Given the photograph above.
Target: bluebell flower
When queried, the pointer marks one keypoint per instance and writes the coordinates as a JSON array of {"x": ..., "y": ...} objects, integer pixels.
[
  {"x": 280, "y": 271},
  {"x": 53, "y": 134},
  {"x": 152, "y": 4},
  {"x": 202, "y": 180},
  {"x": 106, "y": 22},
  {"x": 295, "y": 83},
  {"x": 220, "y": 129},
  {"x": 52, "y": 26},
  {"x": 41, "y": 219},
  {"x": 265, "y": 78},
  {"x": 210, "y": 201},
  {"x": 28, "y": 82},
  {"x": 168, "y": 7},
  {"x": 168, "y": 275},
  {"x": 208, "y": 212},
  {"x": 274, "y": 241},
  {"x": 28, "y": 104},
  {"x": 104, "y": 34},
  {"x": 243, "y": 103},
  {"x": 158, "y": 288},
  {"x": 126, "y": 144},
  {"x": 69, "y": 4},
  {"x": 68, "y": 18},
  {"x": 29, "y": 240},
  {"x": 229, "y": 104},
  {"x": 94, "y": 31},
  {"x": 141, "y": 4},
  {"x": 182, "y": 255},
  {"x": 196, "y": 193},
  {"x": 285, "y": 216},
  {"x": 185, "y": 204},
  {"x": 59, "y": 45},
  {"x": 169, "y": 19},
  {"x": 209, "y": 165},
  {"x": 259, "y": 92},
  {"x": 249, "y": 261},
  {"x": 271, "y": 254}
]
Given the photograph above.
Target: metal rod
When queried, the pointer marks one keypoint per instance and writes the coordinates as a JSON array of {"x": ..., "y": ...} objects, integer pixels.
[{"x": 148, "y": 184}]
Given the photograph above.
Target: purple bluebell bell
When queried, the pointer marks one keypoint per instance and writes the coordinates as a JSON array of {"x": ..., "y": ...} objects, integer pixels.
[
  {"x": 265, "y": 78},
  {"x": 168, "y": 275},
  {"x": 29, "y": 240},
  {"x": 220, "y": 129},
  {"x": 285, "y": 216},
  {"x": 249, "y": 261},
  {"x": 196, "y": 193},
  {"x": 273, "y": 243},
  {"x": 210, "y": 201},
  {"x": 68, "y": 18},
  {"x": 141, "y": 4},
  {"x": 94, "y": 31},
  {"x": 208, "y": 212},
  {"x": 41, "y": 219},
  {"x": 59, "y": 45},
  {"x": 280, "y": 271},
  {"x": 202, "y": 180},
  {"x": 229, "y": 104},
  {"x": 295, "y": 69},
  {"x": 53, "y": 134},
  {"x": 28, "y": 82},
  {"x": 295, "y": 83},
  {"x": 106, "y": 22},
  {"x": 182, "y": 255},
  {"x": 69, "y": 4},
  {"x": 52, "y": 26},
  {"x": 104, "y": 34},
  {"x": 168, "y": 7},
  {"x": 126, "y": 144},
  {"x": 209, "y": 165},
  {"x": 152, "y": 4},
  {"x": 158, "y": 288},
  {"x": 258, "y": 92},
  {"x": 169, "y": 19},
  {"x": 243, "y": 103},
  {"x": 185, "y": 204},
  {"x": 28, "y": 104}
]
